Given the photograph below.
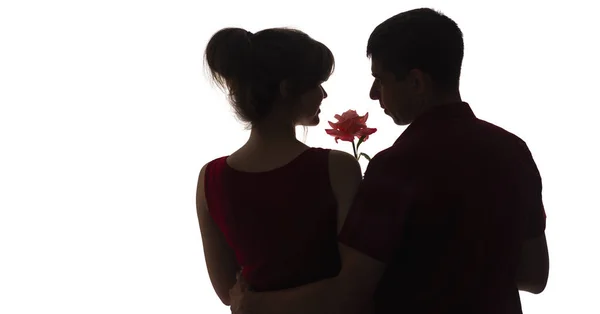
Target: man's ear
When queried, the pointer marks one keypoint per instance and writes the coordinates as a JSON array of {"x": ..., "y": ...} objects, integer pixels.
[
  {"x": 420, "y": 80},
  {"x": 284, "y": 88}
]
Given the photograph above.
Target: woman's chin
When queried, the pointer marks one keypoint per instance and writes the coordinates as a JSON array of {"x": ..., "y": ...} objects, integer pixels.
[{"x": 313, "y": 122}]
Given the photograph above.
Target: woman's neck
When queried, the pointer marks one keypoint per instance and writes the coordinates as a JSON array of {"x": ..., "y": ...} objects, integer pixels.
[{"x": 272, "y": 135}]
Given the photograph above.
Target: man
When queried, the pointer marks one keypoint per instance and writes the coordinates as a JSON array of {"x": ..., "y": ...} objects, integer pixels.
[{"x": 450, "y": 218}]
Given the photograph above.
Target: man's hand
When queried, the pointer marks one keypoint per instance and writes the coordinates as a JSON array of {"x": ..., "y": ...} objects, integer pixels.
[{"x": 238, "y": 296}]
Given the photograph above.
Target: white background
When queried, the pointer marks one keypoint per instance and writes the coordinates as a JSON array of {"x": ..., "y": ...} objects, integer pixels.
[{"x": 106, "y": 118}]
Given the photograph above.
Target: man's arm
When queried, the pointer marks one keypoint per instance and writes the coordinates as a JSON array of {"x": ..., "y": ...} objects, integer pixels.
[
  {"x": 533, "y": 269},
  {"x": 220, "y": 259},
  {"x": 348, "y": 293},
  {"x": 532, "y": 274}
]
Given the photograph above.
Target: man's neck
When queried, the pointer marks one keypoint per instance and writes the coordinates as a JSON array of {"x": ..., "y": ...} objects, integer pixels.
[{"x": 442, "y": 100}]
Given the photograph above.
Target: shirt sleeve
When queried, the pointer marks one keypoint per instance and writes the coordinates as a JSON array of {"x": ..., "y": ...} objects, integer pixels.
[
  {"x": 374, "y": 225},
  {"x": 532, "y": 208}
]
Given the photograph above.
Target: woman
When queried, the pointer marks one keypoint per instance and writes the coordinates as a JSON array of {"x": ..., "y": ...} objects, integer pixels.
[{"x": 273, "y": 208}]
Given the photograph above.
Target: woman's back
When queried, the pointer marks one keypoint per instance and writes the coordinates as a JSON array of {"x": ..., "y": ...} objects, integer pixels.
[{"x": 281, "y": 224}]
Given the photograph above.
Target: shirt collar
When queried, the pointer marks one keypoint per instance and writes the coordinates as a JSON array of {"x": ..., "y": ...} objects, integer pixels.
[{"x": 437, "y": 115}]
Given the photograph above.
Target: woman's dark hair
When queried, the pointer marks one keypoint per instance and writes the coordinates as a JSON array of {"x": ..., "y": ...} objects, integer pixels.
[{"x": 252, "y": 66}]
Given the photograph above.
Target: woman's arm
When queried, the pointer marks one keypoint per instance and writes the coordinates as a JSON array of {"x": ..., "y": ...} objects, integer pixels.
[
  {"x": 345, "y": 176},
  {"x": 220, "y": 259}
]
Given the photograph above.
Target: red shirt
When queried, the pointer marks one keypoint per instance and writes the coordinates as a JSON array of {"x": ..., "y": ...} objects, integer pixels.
[
  {"x": 281, "y": 224},
  {"x": 447, "y": 208}
]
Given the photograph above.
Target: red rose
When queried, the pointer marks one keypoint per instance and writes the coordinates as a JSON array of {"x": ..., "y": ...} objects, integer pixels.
[{"x": 349, "y": 126}]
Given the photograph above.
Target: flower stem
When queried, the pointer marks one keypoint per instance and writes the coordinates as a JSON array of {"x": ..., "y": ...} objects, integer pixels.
[{"x": 354, "y": 149}]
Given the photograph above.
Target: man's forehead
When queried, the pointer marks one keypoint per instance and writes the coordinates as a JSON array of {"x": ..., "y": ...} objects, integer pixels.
[{"x": 375, "y": 66}]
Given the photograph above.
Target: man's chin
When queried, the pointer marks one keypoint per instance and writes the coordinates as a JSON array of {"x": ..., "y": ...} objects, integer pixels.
[
  {"x": 397, "y": 120},
  {"x": 400, "y": 122}
]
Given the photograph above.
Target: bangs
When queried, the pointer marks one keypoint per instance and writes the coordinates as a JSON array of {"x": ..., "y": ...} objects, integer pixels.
[
  {"x": 324, "y": 62},
  {"x": 315, "y": 68}
]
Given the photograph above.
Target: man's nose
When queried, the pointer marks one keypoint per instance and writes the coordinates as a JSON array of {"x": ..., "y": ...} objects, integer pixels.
[{"x": 374, "y": 92}]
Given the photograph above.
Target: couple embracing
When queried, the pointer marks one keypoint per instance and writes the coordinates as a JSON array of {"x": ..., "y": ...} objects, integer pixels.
[{"x": 449, "y": 219}]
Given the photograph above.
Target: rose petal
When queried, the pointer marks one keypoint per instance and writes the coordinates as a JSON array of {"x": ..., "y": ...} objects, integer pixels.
[
  {"x": 333, "y": 125},
  {"x": 349, "y": 126},
  {"x": 365, "y": 132},
  {"x": 340, "y": 135},
  {"x": 349, "y": 114}
]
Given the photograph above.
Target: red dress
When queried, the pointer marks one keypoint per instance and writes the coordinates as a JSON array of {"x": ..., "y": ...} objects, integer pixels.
[{"x": 281, "y": 224}]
